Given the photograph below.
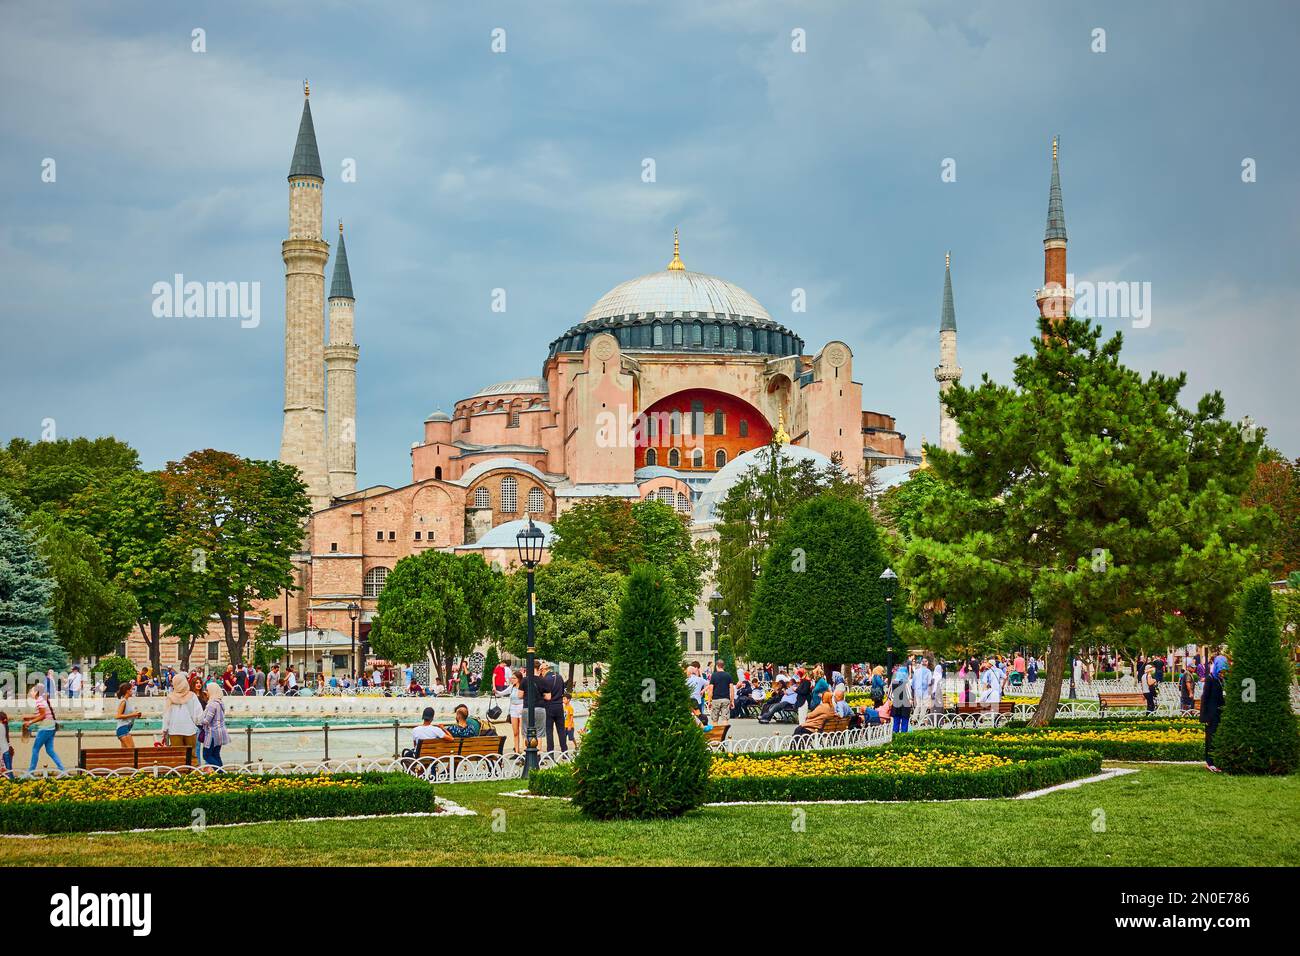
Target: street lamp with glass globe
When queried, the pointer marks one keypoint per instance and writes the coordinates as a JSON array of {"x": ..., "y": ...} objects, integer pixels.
[{"x": 529, "y": 543}]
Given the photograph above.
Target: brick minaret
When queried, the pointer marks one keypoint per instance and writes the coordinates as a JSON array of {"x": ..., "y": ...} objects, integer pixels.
[
  {"x": 305, "y": 253},
  {"x": 1054, "y": 298},
  {"x": 948, "y": 371},
  {"x": 341, "y": 374}
]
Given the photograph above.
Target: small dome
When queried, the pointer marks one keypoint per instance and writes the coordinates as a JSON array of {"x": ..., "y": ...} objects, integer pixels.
[
  {"x": 532, "y": 385},
  {"x": 438, "y": 416},
  {"x": 503, "y": 535}
]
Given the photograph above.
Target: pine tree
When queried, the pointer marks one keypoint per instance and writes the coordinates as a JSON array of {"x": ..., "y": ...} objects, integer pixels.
[
  {"x": 727, "y": 653},
  {"x": 490, "y": 661},
  {"x": 643, "y": 755},
  {"x": 26, "y": 635},
  {"x": 1257, "y": 733}
]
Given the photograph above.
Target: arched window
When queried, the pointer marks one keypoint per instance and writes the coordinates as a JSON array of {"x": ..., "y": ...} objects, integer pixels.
[
  {"x": 697, "y": 333},
  {"x": 715, "y": 335},
  {"x": 374, "y": 582},
  {"x": 720, "y": 458},
  {"x": 536, "y": 501},
  {"x": 744, "y": 428},
  {"x": 651, "y": 458},
  {"x": 760, "y": 340},
  {"x": 674, "y": 458},
  {"x": 729, "y": 336},
  {"x": 747, "y": 339},
  {"x": 437, "y": 472},
  {"x": 719, "y": 422},
  {"x": 683, "y": 503},
  {"x": 482, "y": 498},
  {"x": 665, "y": 496},
  {"x": 677, "y": 333},
  {"x": 659, "y": 334},
  {"x": 697, "y": 418},
  {"x": 675, "y": 423},
  {"x": 509, "y": 494},
  {"x": 697, "y": 458}
]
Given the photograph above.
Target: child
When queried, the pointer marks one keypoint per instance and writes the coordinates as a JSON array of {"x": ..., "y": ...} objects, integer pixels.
[{"x": 568, "y": 718}]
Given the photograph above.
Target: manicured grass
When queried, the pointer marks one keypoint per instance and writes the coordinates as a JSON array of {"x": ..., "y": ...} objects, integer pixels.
[{"x": 1162, "y": 815}]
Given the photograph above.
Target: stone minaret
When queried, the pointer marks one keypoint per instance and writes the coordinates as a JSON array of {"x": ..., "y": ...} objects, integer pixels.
[
  {"x": 305, "y": 253},
  {"x": 341, "y": 377},
  {"x": 1055, "y": 298},
  {"x": 948, "y": 371}
]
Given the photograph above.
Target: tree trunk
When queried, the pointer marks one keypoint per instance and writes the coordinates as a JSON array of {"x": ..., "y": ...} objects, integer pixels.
[
  {"x": 228, "y": 625},
  {"x": 153, "y": 641},
  {"x": 1057, "y": 659},
  {"x": 569, "y": 683},
  {"x": 238, "y": 657}
]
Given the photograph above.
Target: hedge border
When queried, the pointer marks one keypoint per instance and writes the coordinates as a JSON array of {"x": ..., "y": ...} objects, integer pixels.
[
  {"x": 381, "y": 793},
  {"x": 1043, "y": 767},
  {"x": 1130, "y": 750}
]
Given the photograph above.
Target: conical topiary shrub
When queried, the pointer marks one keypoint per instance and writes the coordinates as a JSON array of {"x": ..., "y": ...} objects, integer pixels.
[
  {"x": 727, "y": 654},
  {"x": 490, "y": 661},
  {"x": 1257, "y": 733},
  {"x": 643, "y": 755}
]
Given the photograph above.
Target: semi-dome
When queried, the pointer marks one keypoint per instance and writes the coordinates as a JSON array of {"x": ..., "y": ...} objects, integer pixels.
[
  {"x": 729, "y": 474},
  {"x": 681, "y": 311},
  {"x": 529, "y": 385}
]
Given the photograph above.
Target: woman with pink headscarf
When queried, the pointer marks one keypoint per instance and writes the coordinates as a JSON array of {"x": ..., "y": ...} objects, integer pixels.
[{"x": 181, "y": 714}]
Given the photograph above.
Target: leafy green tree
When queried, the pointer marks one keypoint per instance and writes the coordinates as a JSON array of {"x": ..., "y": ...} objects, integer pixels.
[
  {"x": 91, "y": 614},
  {"x": 439, "y": 606},
  {"x": 113, "y": 666},
  {"x": 268, "y": 644},
  {"x": 749, "y": 517},
  {"x": 727, "y": 654},
  {"x": 1257, "y": 733},
  {"x": 48, "y": 475},
  {"x": 1091, "y": 490},
  {"x": 819, "y": 597},
  {"x": 239, "y": 522},
  {"x": 643, "y": 755},
  {"x": 26, "y": 636},
  {"x": 1276, "y": 486},
  {"x": 577, "y": 612},
  {"x": 616, "y": 534}
]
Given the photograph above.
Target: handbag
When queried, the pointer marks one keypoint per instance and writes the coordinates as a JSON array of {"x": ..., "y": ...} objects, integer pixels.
[{"x": 494, "y": 711}]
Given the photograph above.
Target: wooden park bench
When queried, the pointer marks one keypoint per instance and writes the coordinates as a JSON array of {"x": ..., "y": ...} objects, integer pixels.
[
  {"x": 1003, "y": 707},
  {"x": 135, "y": 758},
  {"x": 1121, "y": 700},
  {"x": 717, "y": 734},
  {"x": 835, "y": 725},
  {"x": 458, "y": 748}
]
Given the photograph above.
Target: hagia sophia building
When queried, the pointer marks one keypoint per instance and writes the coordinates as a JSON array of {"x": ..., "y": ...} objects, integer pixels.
[{"x": 668, "y": 387}]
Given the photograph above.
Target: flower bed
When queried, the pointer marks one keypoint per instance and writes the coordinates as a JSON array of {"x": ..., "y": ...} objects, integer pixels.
[
  {"x": 81, "y": 803},
  {"x": 1114, "y": 740},
  {"x": 925, "y": 770}
]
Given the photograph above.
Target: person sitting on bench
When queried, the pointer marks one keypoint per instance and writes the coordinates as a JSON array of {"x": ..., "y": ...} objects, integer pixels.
[
  {"x": 464, "y": 725},
  {"x": 783, "y": 699},
  {"x": 817, "y": 717},
  {"x": 427, "y": 730},
  {"x": 744, "y": 697}
]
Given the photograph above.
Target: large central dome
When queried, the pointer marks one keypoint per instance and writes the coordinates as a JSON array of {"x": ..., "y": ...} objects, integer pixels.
[
  {"x": 681, "y": 311},
  {"x": 677, "y": 291}
]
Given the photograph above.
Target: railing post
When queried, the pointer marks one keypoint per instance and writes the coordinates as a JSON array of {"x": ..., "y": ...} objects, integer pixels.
[
  {"x": 248, "y": 734},
  {"x": 327, "y": 742},
  {"x": 396, "y": 746}
]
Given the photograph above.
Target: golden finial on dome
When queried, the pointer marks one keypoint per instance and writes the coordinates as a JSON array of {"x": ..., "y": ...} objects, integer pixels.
[
  {"x": 947, "y": 260},
  {"x": 677, "y": 265},
  {"x": 340, "y": 227},
  {"x": 925, "y": 462},
  {"x": 782, "y": 437},
  {"x": 306, "y": 88},
  {"x": 1054, "y": 144}
]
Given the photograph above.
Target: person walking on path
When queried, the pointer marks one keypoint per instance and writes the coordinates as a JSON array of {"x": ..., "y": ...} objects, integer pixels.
[
  {"x": 1149, "y": 687},
  {"x": 181, "y": 714},
  {"x": 46, "y": 725},
  {"x": 6, "y": 746},
  {"x": 722, "y": 694},
  {"x": 212, "y": 726},
  {"x": 550, "y": 700},
  {"x": 900, "y": 699},
  {"x": 126, "y": 715},
  {"x": 1211, "y": 711}
]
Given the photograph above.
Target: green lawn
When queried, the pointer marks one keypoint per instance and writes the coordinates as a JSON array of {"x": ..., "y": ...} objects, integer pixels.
[{"x": 1163, "y": 815}]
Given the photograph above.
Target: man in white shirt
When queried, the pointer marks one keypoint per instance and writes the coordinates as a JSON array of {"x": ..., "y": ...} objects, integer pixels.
[
  {"x": 427, "y": 730},
  {"x": 937, "y": 685},
  {"x": 921, "y": 680},
  {"x": 292, "y": 679},
  {"x": 695, "y": 684},
  {"x": 74, "y": 683},
  {"x": 991, "y": 680}
]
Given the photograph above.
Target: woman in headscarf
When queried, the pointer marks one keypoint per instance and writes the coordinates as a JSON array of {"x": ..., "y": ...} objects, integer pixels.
[
  {"x": 181, "y": 714},
  {"x": 212, "y": 725}
]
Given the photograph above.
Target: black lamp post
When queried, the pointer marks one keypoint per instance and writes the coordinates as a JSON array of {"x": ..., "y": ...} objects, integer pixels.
[
  {"x": 1072, "y": 697},
  {"x": 529, "y": 543},
  {"x": 888, "y": 584},
  {"x": 715, "y": 605},
  {"x": 354, "y": 613}
]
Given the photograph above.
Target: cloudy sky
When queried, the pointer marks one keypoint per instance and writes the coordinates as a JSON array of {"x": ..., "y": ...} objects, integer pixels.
[{"x": 522, "y": 170}]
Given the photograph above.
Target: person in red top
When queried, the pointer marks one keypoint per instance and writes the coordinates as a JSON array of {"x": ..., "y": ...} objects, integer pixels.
[{"x": 499, "y": 677}]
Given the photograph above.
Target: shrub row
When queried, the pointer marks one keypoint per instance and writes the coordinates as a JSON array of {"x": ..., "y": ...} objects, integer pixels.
[
  {"x": 1133, "y": 750},
  {"x": 381, "y": 793},
  {"x": 1041, "y": 767}
]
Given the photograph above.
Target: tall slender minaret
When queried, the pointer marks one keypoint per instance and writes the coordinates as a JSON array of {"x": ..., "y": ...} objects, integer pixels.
[
  {"x": 948, "y": 371},
  {"x": 1055, "y": 298},
  {"x": 305, "y": 253},
  {"x": 341, "y": 378}
]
